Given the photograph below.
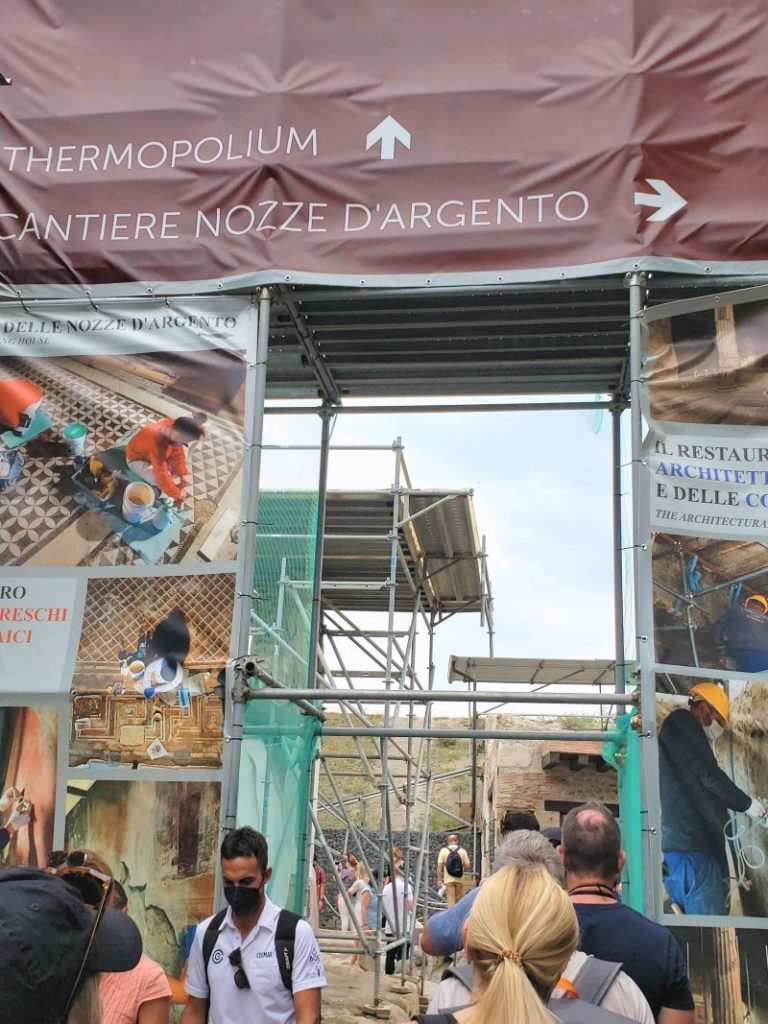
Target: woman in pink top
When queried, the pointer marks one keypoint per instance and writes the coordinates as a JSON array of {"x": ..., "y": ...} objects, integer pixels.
[{"x": 140, "y": 996}]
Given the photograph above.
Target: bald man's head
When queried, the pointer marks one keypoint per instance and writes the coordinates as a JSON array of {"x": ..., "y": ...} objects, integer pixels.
[{"x": 591, "y": 842}]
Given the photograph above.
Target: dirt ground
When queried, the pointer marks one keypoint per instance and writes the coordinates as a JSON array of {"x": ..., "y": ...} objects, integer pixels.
[{"x": 350, "y": 988}]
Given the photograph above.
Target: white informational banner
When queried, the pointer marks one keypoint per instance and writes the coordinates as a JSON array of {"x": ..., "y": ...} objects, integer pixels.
[
  {"x": 709, "y": 481},
  {"x": 38, "y": 620},
  {"x": 112, "y": 329}
]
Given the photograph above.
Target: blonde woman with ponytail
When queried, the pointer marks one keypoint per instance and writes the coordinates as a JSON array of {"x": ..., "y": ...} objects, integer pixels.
[{"x": 519, "y": 935}]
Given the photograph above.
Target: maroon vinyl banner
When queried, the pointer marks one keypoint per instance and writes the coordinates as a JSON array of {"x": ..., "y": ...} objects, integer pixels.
[{"x": 183, "y": 141}]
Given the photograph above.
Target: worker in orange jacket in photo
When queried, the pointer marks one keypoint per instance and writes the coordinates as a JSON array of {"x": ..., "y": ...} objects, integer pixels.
[
  {"x": 157, "y": 453},
  {"x": 19, "y": 401}
]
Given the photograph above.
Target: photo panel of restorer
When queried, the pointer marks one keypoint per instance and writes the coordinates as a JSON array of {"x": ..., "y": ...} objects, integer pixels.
[
  {"x": 713, "y": 788},
  {"x": 710, "y": 603},
  {"x": 148, "y": 684},
  {"x": 120, "y": 460}
]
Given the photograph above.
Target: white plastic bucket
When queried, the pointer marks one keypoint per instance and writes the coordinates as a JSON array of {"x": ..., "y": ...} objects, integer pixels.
[
  {"x": 75, "y": 434},
  {"x": 138, "y": 502}
]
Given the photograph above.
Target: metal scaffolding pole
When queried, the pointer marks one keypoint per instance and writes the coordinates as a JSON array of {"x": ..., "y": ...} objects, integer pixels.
[
  {"x": 587, "y": 735},
  {"x": 350, "y": 704},
  {"x": 334, "y": 696},
  {"x": 643, "y": 612},
  {"x": 322, "y": 495},
  {"x": 256, "y": 389},
  {"x": 618, "y": 553},
  {"x": 315, "y": 619},
  {"x": 426, "y": 749},
  {"x": 384, "y": 824},
  {"x": 337, "y": 877},
  {"x": 349, "y": 823},
  {"x": 444, "y": 407},
  {"x": 409, "y": 795}
]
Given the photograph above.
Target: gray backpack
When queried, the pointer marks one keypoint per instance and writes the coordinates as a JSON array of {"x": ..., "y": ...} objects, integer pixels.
[{"x": 593, "y": 982}]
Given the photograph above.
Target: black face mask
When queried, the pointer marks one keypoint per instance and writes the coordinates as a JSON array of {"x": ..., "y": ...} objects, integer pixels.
[{"x": 243, "y": 901}]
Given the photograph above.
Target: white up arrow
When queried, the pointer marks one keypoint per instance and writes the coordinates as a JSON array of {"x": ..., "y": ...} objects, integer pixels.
[
  {"x": 388, "y": 132},
  {"x": 666, "y": 200}
]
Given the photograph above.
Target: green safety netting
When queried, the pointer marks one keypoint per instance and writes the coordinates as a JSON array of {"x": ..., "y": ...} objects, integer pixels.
[
  {"x": 282, "y": 582},
  {"x": 279, "y": 742},
  {"x": 623, "y": 754},
  {"x": 279, "y": 745}
]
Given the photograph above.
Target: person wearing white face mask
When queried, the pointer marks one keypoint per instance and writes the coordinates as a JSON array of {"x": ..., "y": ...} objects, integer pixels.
[{"x": 696, "y": 795}]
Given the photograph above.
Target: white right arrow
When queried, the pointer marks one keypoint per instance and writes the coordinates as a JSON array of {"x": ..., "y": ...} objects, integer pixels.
[
  {"x": 388, "y": 132},
  {"x": 666, "y": 200}
]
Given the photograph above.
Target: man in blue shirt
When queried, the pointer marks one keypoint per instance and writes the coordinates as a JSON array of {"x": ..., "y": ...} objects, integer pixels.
[
  {"x": 742, "y": 633},
  {"x": 593, "y": 860}
]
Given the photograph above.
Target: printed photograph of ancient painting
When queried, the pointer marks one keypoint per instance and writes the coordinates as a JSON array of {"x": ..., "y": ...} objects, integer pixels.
[
  {"x": 710, "y": 603},
  {"x": 120, "y": 460},
  {"x": 710, "y": 366},
  {"x": 148, "y": 685},
  {"x": 28, "y": 745},
  {"x": 726, "y": 968},
  {"x": 169, "y": 880}
]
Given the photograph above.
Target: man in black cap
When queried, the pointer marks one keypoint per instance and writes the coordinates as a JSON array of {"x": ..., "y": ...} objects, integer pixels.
[{"x": 50, "y": 942}]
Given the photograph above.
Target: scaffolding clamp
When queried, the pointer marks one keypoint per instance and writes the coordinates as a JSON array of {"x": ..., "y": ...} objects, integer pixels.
[
  {"x": 246, "y": 668},
  {"x": 240, "y": 685}
]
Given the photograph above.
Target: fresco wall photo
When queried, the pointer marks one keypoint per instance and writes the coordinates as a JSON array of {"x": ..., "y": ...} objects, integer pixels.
[
  {"x": 28, "y": 746},
  {"x": 710, "y": 366},
  {"x": 160, "y": 840},
  {"x": 727, "y": 971}
]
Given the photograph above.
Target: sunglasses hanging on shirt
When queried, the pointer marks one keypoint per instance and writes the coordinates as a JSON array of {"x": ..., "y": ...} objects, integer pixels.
[{"x": 241, "y": 978}]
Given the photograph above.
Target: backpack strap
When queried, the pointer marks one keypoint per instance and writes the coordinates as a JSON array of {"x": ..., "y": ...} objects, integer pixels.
[
  {"x": 285, "y": 940},
  {"x": 463, "y": 973},
  {"x": 209, "y": 941},
  {"x": 594, "y": 979},
  {"x": 576, "y": 1011}
]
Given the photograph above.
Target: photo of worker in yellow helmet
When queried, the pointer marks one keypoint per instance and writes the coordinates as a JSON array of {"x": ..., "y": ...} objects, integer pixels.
[
  {"x": 710, "y": 604},
  {"x": 742, "y": 634},
  {"x": 704, "y": 812}
]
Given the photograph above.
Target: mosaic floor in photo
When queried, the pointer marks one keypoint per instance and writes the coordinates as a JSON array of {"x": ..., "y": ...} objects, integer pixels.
[{"x": 43, "y": 503}]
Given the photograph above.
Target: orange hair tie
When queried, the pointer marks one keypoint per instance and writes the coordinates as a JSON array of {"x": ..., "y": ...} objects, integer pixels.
[{"x": 511, "y": 954}]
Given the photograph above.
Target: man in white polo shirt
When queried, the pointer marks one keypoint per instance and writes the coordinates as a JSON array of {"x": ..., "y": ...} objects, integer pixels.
[{"x": 242, "y": 979}]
